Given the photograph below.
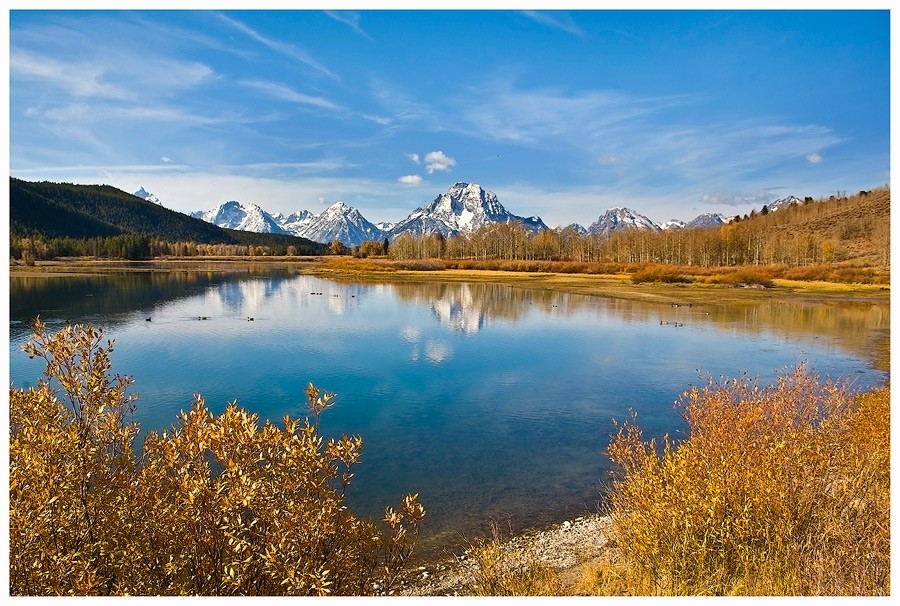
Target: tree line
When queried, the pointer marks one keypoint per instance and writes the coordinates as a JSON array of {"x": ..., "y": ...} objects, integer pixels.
[
  {"x": 135, "y": 247},
  {"x": 812, "y": 232}
]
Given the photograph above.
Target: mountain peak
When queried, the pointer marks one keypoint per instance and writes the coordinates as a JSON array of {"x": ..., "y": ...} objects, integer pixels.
[
  {"x": 621, "y": 217},
  {"x": 143, "y": 194},
  {"x": 463, "y": 208}
]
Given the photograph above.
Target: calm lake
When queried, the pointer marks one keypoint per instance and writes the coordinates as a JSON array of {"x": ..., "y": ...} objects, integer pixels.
[{"x": 492, "y": 402}]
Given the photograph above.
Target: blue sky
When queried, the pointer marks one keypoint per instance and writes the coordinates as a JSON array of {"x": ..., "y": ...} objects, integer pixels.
[{"x": 562, "y": 113}]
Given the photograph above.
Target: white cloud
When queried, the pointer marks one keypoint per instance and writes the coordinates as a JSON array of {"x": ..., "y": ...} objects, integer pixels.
[
  {"x": 814, "y": 158},
  {"x": 166, "y": 160},
  {"x": 438, "y": 160},
  {"x": 410, "y": 179},
  {"x": 413, "y": 157}
]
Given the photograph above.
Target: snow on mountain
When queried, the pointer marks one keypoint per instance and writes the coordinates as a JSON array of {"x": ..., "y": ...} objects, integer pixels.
[
  {"x": 294, "y": 222},
  {"x": 143, "y": 194},
  {"x": 672, "y": 224},
  {"x": 464, "y": 208},
  {"x": 706, "y": 220},
  {"x": 234, "y": 215},
  {"x": 339, "y": 222},
  {"x": 620, "y": 218},
  {"x": 385, "y": 226}
]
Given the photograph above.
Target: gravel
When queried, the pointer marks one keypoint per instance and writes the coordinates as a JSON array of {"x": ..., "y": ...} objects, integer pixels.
[{"x": 565, "y": 547}]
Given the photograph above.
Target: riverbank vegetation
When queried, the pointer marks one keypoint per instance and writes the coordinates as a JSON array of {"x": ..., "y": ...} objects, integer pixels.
[
  {"x": 219, "y": 505},
  {"x": 776, "y": 490}
]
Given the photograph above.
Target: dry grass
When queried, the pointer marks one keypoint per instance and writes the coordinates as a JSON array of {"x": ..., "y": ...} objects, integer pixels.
[
  {"x": 777, "y": 490},
  {"x": 504, "y": 571}
]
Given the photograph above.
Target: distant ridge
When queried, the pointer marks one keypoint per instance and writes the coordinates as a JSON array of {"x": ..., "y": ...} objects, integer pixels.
[{"x": 57, "y": 210}]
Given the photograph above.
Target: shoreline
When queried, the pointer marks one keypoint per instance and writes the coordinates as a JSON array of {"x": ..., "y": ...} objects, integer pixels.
[
  {"x": 610, "y": 286},
  {"x": 568, "y": 548},
  {"x": 603, "y": 285}
]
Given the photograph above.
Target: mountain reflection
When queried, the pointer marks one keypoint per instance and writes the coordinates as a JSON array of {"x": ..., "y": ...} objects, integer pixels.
[{"x": 112, "y": 299}]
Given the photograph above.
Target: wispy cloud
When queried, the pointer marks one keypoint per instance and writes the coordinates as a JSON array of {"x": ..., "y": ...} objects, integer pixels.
[
  {"x": 504, "y": 112},
  {"x": 403, "y": 109},
  {"x": 557, "y": 20},
  {"x": 414, "y": 158},
  {"x": 286, "y": 93},
  {"x": 740, "y": 198},
  {"x": 280, "y": 47},
  {"x": 111, "y": 76},
  {"x": 814, "y": 158},
  {"x": 350, "y": 18},
  {"x": 82, "y": 79}
]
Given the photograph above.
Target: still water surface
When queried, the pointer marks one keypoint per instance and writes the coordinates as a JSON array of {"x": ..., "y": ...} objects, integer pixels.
[{"x": 491, "y": 402}]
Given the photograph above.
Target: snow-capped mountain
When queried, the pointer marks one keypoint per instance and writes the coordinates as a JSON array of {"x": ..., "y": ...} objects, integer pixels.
[
  {"x": 464, "y": 208},
  {"x": 143, "y": 194},
  {"x": 579, "y": 229},
  {"x": 234, "y": 215},
  {"x": 706, "y": 220},
  {"x": 620, "y": 218},
  {"x": 339, "y": 222},
  {"x": 784, "y": 203}
]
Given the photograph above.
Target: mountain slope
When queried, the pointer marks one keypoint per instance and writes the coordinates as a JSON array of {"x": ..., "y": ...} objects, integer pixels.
[
  {"x": 706, "y": 220},
  {"x": 56, "y": 210}
]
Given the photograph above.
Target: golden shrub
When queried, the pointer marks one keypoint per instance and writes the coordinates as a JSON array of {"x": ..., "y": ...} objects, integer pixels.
[
  {"x": 219, "y": 505},
  {"x": 777, "y": 490}
]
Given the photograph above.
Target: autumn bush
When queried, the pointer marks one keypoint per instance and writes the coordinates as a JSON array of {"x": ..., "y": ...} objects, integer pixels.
[
  {"x": 218, "y": 505},
  {"x": 776, "y": 490},
  {"x": 660, "y": 273},
  {"x": 758, "y": 276}
]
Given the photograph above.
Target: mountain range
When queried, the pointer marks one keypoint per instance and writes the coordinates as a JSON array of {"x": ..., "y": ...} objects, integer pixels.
[{"x": 463, "y": 208}]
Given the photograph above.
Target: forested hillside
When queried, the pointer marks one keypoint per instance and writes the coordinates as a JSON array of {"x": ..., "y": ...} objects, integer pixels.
[{"x": 47, "y": 220}]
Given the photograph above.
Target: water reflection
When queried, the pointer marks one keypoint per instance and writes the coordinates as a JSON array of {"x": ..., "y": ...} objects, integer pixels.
[{"x": 489, "y": 400}]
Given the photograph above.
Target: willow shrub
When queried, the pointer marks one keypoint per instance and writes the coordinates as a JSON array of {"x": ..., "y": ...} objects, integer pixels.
[
  {"x": 219, "y": 505},
  {"x": 777, "y": 490}
]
